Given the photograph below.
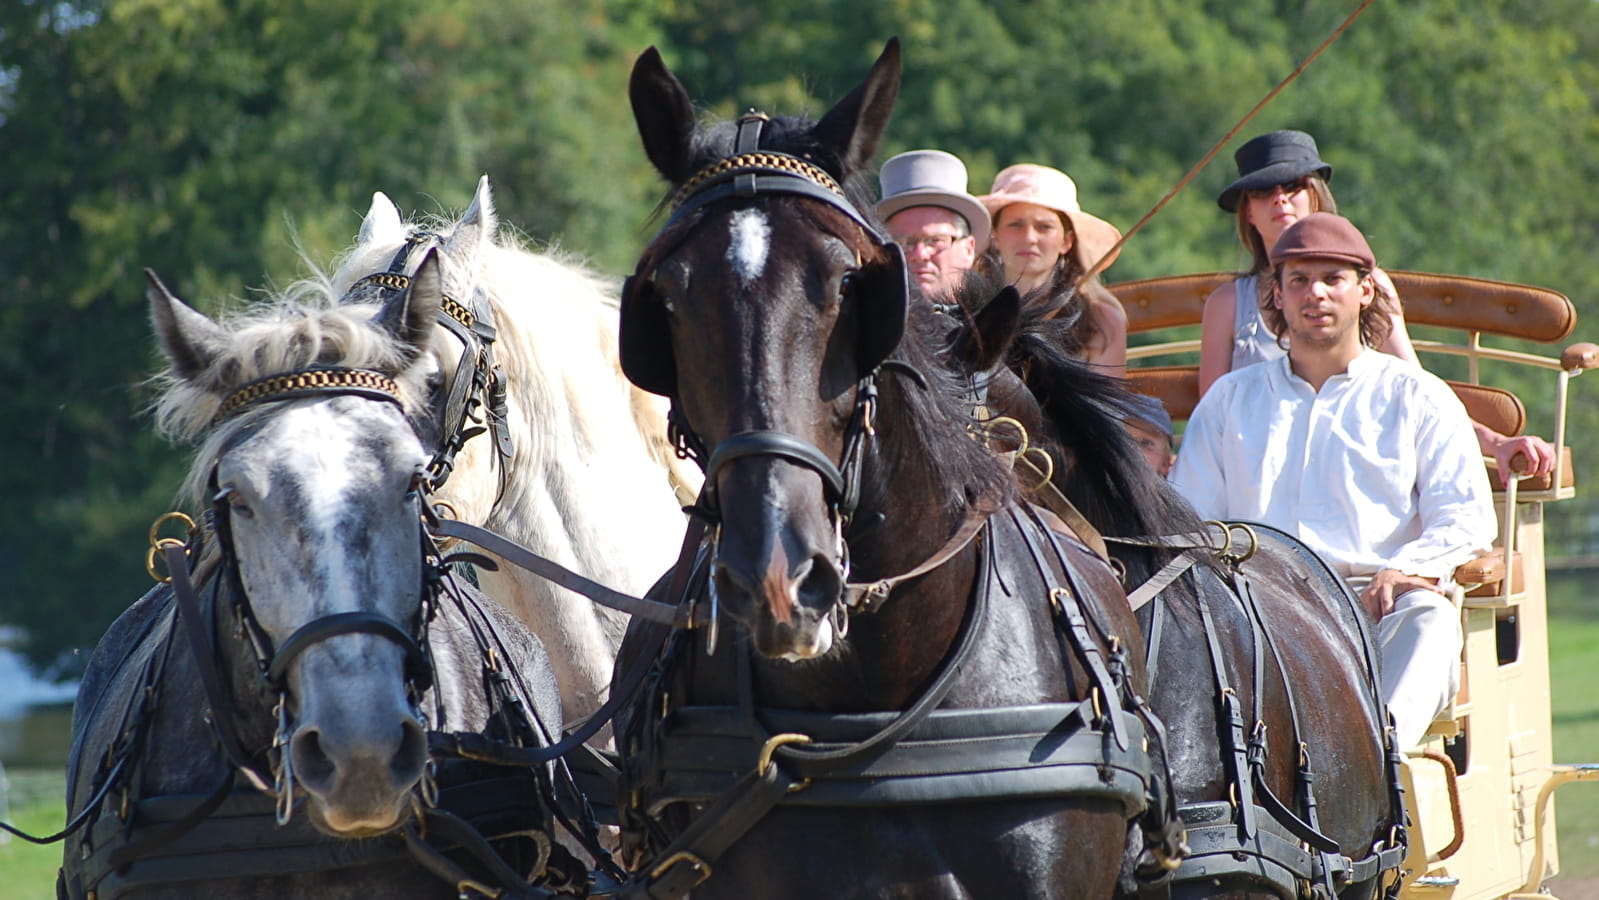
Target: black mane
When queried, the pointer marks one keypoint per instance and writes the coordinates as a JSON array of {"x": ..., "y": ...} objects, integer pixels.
[{"x": 1098, "y": 467}]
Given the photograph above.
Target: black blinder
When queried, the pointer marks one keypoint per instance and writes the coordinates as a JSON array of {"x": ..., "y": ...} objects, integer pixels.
[
  {"x": 644, "y": 338},
  {"x": 882, "y": 292}
]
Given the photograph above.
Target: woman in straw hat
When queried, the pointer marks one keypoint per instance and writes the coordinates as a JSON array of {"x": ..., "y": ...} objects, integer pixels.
[
  {"x": 1282, "y": 179},
  {"x": 1043, "y": 243}
]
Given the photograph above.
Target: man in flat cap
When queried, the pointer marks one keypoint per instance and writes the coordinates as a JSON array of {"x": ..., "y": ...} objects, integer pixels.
[{"x": 1369, "y": 459}]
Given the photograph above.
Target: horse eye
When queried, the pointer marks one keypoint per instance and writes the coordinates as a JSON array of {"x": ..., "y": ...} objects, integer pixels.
[{"x": 236, "y": 504}]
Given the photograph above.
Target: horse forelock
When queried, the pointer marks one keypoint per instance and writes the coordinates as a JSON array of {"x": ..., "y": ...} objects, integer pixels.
[{"x": 286, "y": 335}]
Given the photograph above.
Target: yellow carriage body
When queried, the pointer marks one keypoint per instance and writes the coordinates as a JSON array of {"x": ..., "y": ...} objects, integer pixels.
[{"x": 1479, "y": 788}]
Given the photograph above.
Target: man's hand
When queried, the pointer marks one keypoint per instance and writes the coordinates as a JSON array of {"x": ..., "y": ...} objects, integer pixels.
[{"x": 1389, "y": 584}]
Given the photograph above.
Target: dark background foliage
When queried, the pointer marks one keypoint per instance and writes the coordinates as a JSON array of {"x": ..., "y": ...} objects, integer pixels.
[{"x": 208, "y": 139}]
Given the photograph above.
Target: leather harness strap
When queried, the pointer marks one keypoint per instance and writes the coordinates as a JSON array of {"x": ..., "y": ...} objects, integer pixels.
[
  {"x": 915, "y": 756},
  {"x": 1258, "y": 837}
]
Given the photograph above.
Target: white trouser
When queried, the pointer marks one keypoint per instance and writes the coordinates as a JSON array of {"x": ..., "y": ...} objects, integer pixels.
[{"x": 1419, "y": 643}]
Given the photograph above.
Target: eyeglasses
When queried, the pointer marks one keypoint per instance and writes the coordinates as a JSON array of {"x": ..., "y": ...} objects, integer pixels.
[
  {"x": 1288, "y": 188},
  {"x": 937, "y": 243}
]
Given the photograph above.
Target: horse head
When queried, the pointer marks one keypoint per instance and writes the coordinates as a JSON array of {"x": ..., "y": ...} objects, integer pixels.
[
  {"x": 713, "y": 316},
  {"x": 388, "y": 250},
  {"x": 313, "y": 469}
]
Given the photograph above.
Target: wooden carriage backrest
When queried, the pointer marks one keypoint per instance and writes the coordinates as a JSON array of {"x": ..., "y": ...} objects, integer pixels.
[
  {"x": 1449, "y": 301},
  {"x": 1486, "y": 307}
]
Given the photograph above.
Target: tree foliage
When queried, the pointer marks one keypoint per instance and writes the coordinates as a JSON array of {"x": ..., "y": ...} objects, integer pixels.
[{"x": 215, "y": 141}]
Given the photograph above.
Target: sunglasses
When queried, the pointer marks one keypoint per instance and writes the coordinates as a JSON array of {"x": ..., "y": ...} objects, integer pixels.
[{"x": 1288, "y": 188}]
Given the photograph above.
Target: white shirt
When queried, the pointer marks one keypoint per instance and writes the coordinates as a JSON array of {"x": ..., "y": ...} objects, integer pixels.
[{"x": 1379, "y": 470}]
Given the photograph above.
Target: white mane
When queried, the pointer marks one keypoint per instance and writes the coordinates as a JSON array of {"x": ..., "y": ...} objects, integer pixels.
[{"x": 586, "y": 485}]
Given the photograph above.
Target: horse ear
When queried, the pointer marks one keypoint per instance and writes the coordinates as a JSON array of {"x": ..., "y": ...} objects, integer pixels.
[
  {"x": 480, "y": 214},
  {"x": 410, "y": 315},
  {"x": 382, "y": 222},
  {"x": 992, "y": 331},
  {"x": 476, "y": 226},
  {"x": 855, "y": 126},
  {"x": 189, "y": 339},
  {"x": 644, "y": 339},
  {"x": 881, "y": 293},
  {"x": 665, "y": 116}
]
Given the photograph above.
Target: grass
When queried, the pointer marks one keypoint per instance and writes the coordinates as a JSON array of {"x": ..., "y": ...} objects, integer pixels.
[
  {"x": 28, "y": 871},
  {"x": 1573, "y": 672}
]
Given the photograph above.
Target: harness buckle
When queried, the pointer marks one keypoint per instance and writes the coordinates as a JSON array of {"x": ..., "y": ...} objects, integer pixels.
[
  {"x": 764, "y": 761},
  {"x": 699, "y": 868}
]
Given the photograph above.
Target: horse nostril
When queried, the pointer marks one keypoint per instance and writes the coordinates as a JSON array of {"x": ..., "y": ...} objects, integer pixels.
[
  {"x": 412, "y": 754},
  {"x": 822, "y": 586},
  {"x": 312, "y": 765}
]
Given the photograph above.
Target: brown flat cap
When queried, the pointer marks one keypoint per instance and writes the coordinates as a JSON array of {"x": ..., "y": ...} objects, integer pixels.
[{"x": 1323, "y": 235}]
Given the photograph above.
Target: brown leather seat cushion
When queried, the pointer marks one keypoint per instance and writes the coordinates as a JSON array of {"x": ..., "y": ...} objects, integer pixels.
[{"x": 1482, "y": 576}]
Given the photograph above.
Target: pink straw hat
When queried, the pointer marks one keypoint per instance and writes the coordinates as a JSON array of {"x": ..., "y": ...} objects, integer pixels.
[{"x": 1054, "y": 189}]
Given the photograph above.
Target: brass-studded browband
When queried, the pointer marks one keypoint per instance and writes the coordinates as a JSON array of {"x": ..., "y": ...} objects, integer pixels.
[
  {"x": 396, "y": 282},
  {"x": 362, "y": 382},
  {"x": 758, "y": 161}
]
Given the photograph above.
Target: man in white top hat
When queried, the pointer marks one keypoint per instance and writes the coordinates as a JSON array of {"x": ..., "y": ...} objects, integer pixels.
[{"x": 929, "y": 214}]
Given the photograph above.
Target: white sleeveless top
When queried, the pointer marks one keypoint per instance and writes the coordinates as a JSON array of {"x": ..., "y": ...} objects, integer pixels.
[{"x": 1253, "y": 342}]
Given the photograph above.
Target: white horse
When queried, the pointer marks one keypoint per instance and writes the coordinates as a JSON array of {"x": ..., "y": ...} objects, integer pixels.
[{"x": 589, "y": 482}]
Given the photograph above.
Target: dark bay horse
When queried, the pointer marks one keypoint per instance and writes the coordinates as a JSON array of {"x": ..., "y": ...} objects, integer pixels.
[
  {"x": 264, "y": 730},
  {"x": 902, "y": 684},
  {"x": 1261, "y": 664}
]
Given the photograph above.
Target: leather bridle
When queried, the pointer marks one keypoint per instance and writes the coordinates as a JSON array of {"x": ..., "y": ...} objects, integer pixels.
[
  {"x": 751, "y": 172},
  {"x": 478, "y": 385},
  {"x": 272, "y": 662}
]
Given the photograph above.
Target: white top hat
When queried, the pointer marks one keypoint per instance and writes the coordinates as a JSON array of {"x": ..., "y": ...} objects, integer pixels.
[{"x": 931, "y": 178}]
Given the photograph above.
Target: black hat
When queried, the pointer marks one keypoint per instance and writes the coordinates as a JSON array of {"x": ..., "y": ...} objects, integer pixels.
[{"x": 1276, "y": 157}]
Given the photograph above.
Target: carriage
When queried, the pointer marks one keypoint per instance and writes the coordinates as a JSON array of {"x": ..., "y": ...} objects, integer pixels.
[{"x": 1479, "y": 789}]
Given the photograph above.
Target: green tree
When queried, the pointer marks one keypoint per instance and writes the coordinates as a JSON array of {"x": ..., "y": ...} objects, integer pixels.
[{"x": 200, "y": 138}]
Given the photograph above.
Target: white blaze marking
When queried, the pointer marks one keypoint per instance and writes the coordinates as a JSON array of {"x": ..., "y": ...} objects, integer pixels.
[{"x": 749, "y": 245}]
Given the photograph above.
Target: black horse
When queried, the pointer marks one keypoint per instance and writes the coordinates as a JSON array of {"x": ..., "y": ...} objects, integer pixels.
[
  {"x": 903, "y": 683},
  {"x": 1260, "y": 661},
  {"x": 263, "y": 728}
]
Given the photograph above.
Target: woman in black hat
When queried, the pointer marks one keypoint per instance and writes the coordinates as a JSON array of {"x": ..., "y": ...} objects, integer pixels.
[{"x": 1282, "y": 179}]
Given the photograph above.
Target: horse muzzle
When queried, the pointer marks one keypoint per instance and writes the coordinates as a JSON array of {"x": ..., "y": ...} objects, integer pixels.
[
  {"x": 358, "y": 772},
  {"x": 787, "y": 606}
]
